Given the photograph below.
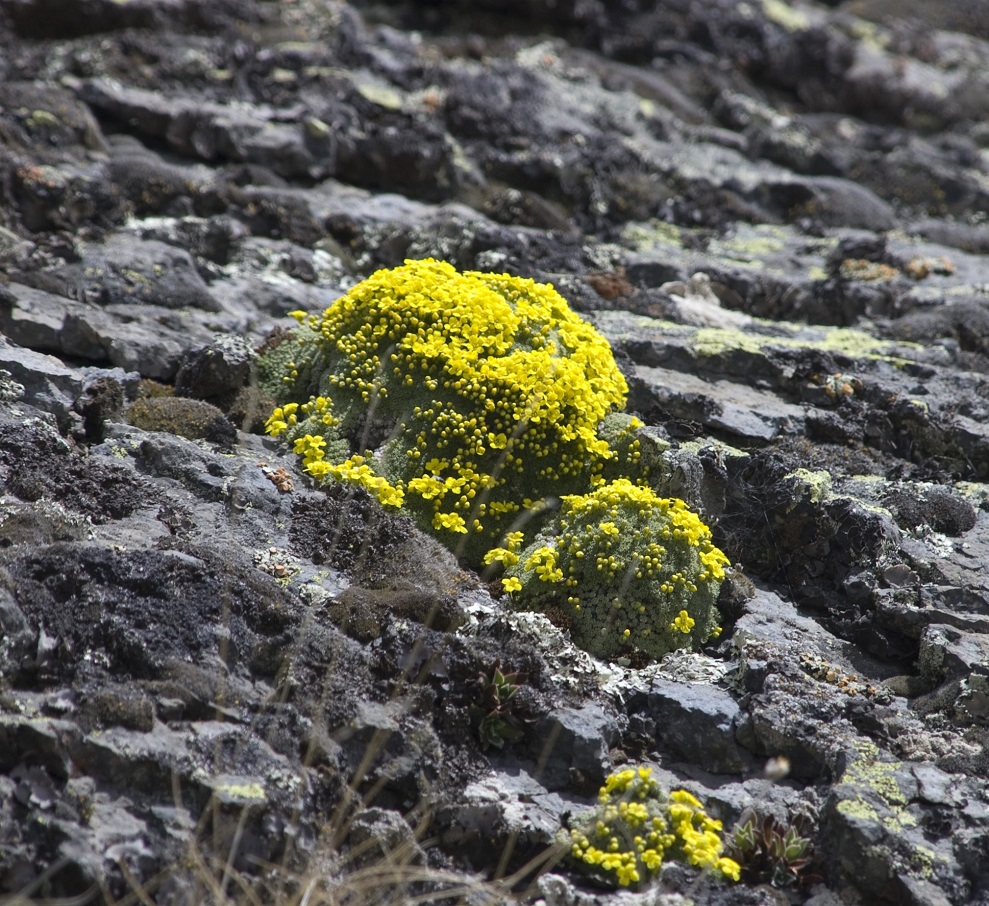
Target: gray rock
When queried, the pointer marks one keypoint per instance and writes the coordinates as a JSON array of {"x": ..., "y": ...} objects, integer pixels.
[
  {"x": 378, "y": 834},
  {"x": 170, "y": 612},
  {"x": 216, "y": 370},
  {"x": 206, "y": 130},
  {"x": 126, "y": 269},
  {"x": 45, "y": 381},
  {"x": 571, "y": 746},
  {"x": 512, "y": 808},
  {"x": 698, "y": 724},
  {"x": 950, "y": 653},
  {"x": 729, "y": 409},
  {"x": 877, "y": 819},
  {"x": 558, "y": 890},
  {"x": 50, "y": 323},
  {"x": 828, "y": 200},
  {"x": 18, "y": 643}
]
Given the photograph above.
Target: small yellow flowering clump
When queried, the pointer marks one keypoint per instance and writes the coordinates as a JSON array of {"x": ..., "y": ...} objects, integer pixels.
[
  {"x": 638, "y": 572},
  {"x": 296, "y": 420},
  {"x": 636, "y": 826},
  {"x": 474, "y": 392}
]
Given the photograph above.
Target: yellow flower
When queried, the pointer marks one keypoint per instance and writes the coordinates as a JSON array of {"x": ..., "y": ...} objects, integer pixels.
[
  {"x": 685, "y": 798},
  {"x": 684, "y": 622},
  {"x": 318, "y": 468},
  {"x": 652, "y": 859},
  {"x": 627, "y": 874},
  {"x": 452, "y": 522},
  {"x": 511, "y": 584},
  {"x": 504, "y": 556},
  {"x": 309, "y": 445},
  {"x": 275, "y": 425},
  {"x": 635, "y": 813},
  {"x": 514, "y": 540},
  {"x": 730, "y": 868},
  {"x": 391, "y": 496}
]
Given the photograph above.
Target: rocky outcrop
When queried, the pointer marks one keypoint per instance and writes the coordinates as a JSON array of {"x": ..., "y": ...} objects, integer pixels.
[{"x": 217, "y": 682}]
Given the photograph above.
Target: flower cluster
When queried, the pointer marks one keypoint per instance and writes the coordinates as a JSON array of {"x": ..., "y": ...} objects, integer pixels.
[
  {"x": 356, "y": 470},
  {"x": 507, "y": 556},
  {"x": 636, "y": 826},
  {"x": 474, "y": 401},
  {"x": 474, "y": 391},
  {"x": 297, "y": 420},
  {"x": 638, "y": 572}
]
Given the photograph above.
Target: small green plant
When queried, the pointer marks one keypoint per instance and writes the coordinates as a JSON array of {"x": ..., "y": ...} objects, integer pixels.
[
  {"x": 492, "y": 714},
  {"x": 767, "y": 850},
  {"x": 637, "y": 826}
]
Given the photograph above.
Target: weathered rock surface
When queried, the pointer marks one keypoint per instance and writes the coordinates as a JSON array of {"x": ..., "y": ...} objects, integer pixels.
[{"x": 218, "y": 684}]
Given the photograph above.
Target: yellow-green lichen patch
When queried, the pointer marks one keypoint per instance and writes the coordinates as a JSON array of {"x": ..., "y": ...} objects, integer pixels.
[
  {"x": 784, "y": 14},
  {"x": 43, "y": 119},
  {"x": 749, "y": 246},
  {"x": 881, "y": 798},
  {"x": 923, "y": 861},
  {"x": 758, "y": 340},
  {"x": 381, "y": 94},
  {"x": 816, "y": 484},
  {"x": 721, "y": 450},
  {"x": 976, "y": 493},
  {"x": 855, "y": 344},
  {"x": 239, "y": 791},
  {"x": 708, "y": 342},
  {"x": 880, "y": 776},
  {"x": 652, "y": 233},
  {"x": 858, "y": 344}
]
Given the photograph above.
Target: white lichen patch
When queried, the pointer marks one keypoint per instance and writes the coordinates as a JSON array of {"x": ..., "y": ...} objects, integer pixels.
[{"x": 571, "y": 667}]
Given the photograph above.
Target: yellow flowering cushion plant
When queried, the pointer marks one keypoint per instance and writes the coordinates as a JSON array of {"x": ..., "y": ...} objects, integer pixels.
[
  {"x": 474, "y": 401},
  {"x": 464, "y": 394},
  {"x": 637, "y": 826},
  {"x": 634, "y": 572}
]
